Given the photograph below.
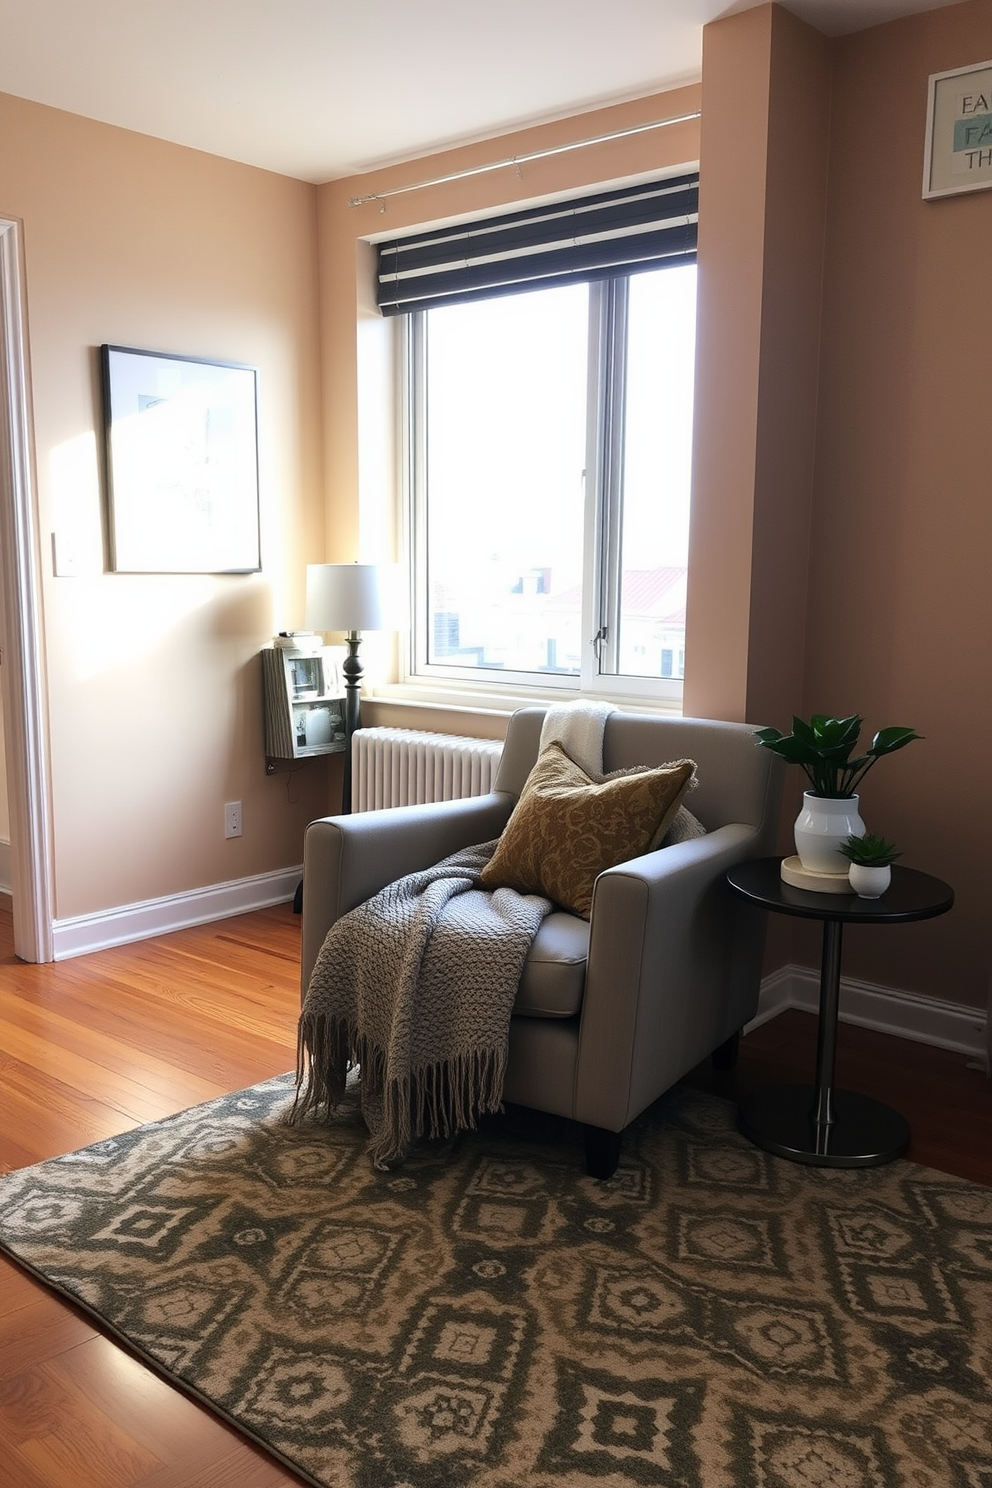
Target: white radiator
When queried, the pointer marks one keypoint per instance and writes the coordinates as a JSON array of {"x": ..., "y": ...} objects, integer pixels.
[{"x": 402, "y": 767}]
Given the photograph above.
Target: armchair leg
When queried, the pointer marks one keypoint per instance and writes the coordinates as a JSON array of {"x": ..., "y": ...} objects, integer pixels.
[
  {"x": 602, "y": 1151},
  {"x": 725, "y": 1056}
]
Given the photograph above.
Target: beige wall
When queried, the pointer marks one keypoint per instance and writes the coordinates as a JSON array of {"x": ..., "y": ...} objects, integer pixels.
[{"x": 155, "y": 697}]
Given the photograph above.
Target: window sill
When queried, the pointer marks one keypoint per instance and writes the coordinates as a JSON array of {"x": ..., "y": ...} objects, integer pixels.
[{"x": 499, "y": 702}]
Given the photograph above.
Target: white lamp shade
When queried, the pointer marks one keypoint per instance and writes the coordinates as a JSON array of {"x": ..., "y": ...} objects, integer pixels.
[{"x": 352, "y": 596}]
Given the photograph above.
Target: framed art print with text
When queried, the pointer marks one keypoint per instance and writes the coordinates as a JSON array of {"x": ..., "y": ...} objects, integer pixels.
[
  {"x": 958, "y": 154},
  {"x": 182, "y": 463}
]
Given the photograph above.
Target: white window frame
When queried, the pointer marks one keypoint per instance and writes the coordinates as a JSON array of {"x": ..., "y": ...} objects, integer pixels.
[{"x": 476, "y": 687}]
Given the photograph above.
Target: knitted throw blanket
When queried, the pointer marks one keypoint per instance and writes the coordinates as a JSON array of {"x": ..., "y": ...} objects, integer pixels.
[{"x": 416, "y": 987}]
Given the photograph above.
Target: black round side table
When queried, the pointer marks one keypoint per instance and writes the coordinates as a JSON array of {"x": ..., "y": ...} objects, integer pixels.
[{"x": 816, "y": 1123}]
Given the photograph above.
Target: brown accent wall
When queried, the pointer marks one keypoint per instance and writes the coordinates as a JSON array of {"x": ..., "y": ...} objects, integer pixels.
[
  {"x": 763, "y": 175},
  {"x": 842, "y": 516},
  {"x": 900, "y": 584}
]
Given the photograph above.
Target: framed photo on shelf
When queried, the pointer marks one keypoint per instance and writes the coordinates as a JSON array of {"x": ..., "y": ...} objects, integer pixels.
[
  {"x": 306, "y": 676},
  {"x": 958, "y": 149},
  {"x": 182, "y": 463}
]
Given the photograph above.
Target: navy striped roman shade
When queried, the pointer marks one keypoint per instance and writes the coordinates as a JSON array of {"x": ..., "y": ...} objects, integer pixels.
[{"x": 589, "y": 237}]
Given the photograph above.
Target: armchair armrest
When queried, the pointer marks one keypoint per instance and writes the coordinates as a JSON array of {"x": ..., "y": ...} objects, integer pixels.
[
  {"x": 674, "y": 969},
  {"x": 347, "y": 859}
]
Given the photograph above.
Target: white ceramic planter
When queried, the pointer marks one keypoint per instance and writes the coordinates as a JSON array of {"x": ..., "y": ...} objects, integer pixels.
[
  {"x": 869, "y": 881},
  {"x": 821, "y": 826}
]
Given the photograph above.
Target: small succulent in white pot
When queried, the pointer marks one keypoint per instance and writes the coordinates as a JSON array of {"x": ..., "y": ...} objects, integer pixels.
[{"x": 871, "y": 859}]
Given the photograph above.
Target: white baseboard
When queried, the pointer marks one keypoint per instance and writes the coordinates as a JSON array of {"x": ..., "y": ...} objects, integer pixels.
[
  {"x": 925, "y": 1020},
  {"x": 110, "y": 927},
  {"x": 4, "y": 867}
]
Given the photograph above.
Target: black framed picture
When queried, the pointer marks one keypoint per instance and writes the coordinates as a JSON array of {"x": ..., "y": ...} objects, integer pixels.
[{"x": 182, "y": 463}]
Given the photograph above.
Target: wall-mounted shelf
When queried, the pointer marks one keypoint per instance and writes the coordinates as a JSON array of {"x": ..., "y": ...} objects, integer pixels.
[{"x": 304, "y": 709}]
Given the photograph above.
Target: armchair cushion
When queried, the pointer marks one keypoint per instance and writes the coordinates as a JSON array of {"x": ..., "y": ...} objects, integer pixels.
[
  {"x": 566, "y": 828},
  {"x": 554, "y": 974}
]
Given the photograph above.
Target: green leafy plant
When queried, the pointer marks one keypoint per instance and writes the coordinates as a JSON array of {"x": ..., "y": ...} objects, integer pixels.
[
  {"x": 869, "y": 850},
  {"x": 822, "y": 748}
]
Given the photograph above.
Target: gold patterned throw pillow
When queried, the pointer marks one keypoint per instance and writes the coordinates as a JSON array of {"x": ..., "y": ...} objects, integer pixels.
[{"x": 566, "y": 827}]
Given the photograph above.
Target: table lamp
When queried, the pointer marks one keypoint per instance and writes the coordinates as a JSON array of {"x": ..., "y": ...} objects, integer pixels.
[{"x": 351, "y": 597}]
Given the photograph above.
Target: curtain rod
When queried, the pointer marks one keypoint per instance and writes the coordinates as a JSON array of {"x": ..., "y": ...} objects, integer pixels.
[{"x": 519, "y": 160}]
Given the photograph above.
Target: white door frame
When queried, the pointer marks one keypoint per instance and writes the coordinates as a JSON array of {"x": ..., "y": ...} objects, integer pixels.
[{"x": 22, "y": 673}]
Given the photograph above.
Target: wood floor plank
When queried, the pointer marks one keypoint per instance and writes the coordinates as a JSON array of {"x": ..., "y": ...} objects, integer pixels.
[
  {"x": 40, "y": 1332},
  {"x": 115, "y": 1054},
  {"x": 145, "y": 999},
  {"x": 205, "y": 1049},
  {"x": 160, "y": 1418},
  {"x": 17, "y": 1288},
  {"x": 241, "y": 1467},
  {"x": 53, "y": 1428},
  {"x": 110, "y": 1377},
  {"x": 45, "y": 1117},
  {"x": 20, "y": 1289},
  {"x": 234, "y": 1470},
  {"x": 20, "y": 1474},
  {"x": 124, "y": 1092}
]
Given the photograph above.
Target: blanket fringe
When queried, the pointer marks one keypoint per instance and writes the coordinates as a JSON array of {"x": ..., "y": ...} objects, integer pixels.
[
  {"x": 322, "y": 1064},
  {"x": 437, "y": 1100}
]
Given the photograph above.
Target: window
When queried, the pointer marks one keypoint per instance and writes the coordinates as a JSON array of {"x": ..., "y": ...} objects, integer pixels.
[{"x": 549, "y": 444}]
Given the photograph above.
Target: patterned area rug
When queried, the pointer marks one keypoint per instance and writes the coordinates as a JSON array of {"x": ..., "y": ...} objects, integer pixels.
[{"x": 487, "y": 1315}]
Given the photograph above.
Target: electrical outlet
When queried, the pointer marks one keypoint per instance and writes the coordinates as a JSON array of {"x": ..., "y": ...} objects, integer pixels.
[{"x": 232, "y": 819}]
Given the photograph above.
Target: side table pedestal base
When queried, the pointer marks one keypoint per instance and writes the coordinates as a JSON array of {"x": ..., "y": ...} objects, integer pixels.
[{"x": 864, "y": 1133}]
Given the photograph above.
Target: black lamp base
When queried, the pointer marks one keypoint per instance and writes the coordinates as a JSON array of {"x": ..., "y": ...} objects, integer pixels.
[{"x": 353, "y": 671}]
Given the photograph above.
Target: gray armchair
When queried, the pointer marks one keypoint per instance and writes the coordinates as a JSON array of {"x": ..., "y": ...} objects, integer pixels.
[{"x": 612, "y": 1011}]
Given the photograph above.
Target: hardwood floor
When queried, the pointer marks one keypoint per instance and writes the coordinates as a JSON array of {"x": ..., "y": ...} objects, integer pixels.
[
  {"x": 96, "y": 1045},
  {"x": 88, "y": 1048}
]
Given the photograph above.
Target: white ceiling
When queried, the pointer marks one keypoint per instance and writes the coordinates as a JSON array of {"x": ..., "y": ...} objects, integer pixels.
[{"x": 320, "y": 89}]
